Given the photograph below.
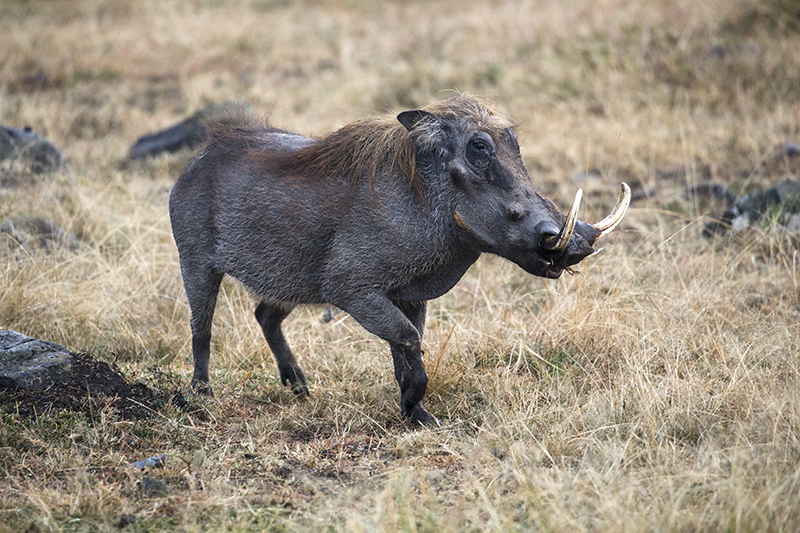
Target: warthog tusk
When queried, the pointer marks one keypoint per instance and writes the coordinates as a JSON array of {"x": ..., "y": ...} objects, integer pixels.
[
  {"x": 610, "y": 222},
  {"x": 558, "y": 243}
]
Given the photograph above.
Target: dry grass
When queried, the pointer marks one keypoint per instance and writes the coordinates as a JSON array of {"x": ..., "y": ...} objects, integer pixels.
[{"x": 655, "y": 391}]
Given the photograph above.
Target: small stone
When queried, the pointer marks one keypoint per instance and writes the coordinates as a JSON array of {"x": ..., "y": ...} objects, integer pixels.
[
  {"x": 124, "y": 519},
  {"x": 33, "y": 151},
  {"x": 793, "y": 224},
  {"x": 791, "y": 149},
  {"x": 29, "y": 232},
  {"x": 151, "y": 462},
  {"x": 154, "y": 488},
  {"x": 329, "y": 313}
]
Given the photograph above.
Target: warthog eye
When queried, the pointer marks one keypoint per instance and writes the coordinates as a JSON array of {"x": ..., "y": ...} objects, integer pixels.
[
  {"x": 479, "y": 146},
  {"x": 480, "y": 149}
]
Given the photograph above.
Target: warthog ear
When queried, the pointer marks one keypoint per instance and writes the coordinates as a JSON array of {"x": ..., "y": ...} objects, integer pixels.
[
  {"x": 427, "y": 130},
  {"x": 411, "y": 119}
]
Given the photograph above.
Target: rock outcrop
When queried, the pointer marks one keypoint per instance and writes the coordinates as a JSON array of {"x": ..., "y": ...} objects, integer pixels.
[
  {"x": 31, "y": 364},
  {"x": 34, "y": 232},
  {"x": 22, "y": 150}
]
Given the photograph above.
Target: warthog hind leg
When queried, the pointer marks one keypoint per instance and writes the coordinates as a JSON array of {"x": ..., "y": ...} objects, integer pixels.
[
  {"x": 270, "y": 316},
  {"x": 201, "y": 290}
]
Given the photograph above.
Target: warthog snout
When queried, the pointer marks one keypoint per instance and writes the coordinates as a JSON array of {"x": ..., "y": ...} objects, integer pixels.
[{"x": 574, "y": 241}]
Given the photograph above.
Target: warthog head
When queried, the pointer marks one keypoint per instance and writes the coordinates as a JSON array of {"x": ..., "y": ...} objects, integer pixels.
[{"x": 476, "y": 152}]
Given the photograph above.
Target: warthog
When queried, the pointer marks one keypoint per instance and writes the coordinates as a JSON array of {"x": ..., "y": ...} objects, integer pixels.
[{"x": 376, "y": 219}]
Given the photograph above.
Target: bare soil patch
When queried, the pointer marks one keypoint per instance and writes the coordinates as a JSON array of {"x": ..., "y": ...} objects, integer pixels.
[{"x": 92, "y": 385}]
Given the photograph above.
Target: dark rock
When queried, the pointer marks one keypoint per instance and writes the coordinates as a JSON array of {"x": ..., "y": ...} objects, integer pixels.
[
  {"x": 188, "y": 133},
  {"x": 791, "y": 149},
  {"x": 31, "y": 364},
  {"x": 124, "y": 519},
  {"x": 711, "y": 191},
  {"x": 29, "y": 232},
  {"x": 31, "y": 149},
  {"x": 151, "y": 462},
  {"x": 329, "y": 313},
  {"x": 780, "y": 203},
  {"x": 718, "y": 51},
  {"x": 154, "y": 488}
]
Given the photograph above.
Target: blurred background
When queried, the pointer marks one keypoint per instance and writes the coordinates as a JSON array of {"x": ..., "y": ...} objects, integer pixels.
[{"x": 606, "y": 89}]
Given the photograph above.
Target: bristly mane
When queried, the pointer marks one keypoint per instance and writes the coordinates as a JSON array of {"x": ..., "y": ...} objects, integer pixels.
[
  {"x": 371, "y": 146},
  {"x": 358, "y": 150}
]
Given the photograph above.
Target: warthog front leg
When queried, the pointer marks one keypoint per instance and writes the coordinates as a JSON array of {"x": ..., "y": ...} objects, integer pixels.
[
  {"x": 409, "y": 370},
  {"x": 401, "y": 324},
  {"x": 409, "y": 367},
  {"x": 270, "y": 317}
]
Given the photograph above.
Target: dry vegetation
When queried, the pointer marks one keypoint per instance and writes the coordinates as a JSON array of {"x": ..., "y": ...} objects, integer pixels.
[{"x": 657, "y": 390}]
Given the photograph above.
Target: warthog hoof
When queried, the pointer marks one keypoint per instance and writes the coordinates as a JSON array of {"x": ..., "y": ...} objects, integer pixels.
[
  {"x": 300, "y": 389},
  {"x": 293, "y": 377},
  {"x": 421, "y": 416},
  {"x": 202, "y": 388}
]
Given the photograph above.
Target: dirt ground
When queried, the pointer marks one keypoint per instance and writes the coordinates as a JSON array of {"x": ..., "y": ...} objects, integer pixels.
[{"x": 91, "y": 386}]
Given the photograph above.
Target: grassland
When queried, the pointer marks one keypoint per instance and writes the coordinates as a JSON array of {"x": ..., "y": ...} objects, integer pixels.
[{"x": 657, "y": 390}]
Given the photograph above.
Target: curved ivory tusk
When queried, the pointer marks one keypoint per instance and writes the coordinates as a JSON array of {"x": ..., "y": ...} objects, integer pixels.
[
  {"x": 617, "y": 214},
  {"x": 558, "y": 242}
]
